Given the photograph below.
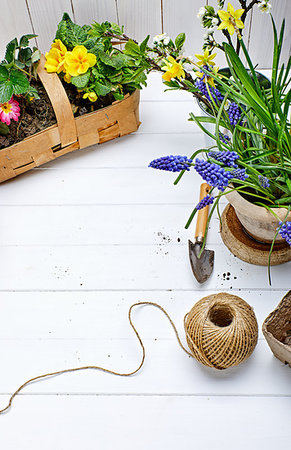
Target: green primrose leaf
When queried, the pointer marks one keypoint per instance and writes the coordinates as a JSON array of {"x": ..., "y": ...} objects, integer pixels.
[
  {"x": 71, "y": 34},
  {"x": 81, "y": 81},
  {"x": 19, "y": 82},
  {"x": 101, "y": 90},
  {"x": 118, "y": 96}
]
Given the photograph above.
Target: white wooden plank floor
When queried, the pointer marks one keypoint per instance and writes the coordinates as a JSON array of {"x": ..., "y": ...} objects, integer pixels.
[{"x": 83, "y": 238}]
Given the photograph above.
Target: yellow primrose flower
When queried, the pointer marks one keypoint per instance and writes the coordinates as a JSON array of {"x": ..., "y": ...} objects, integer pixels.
[
  {"x": 67, "y": 78},
  {"x": 92, "y": 96},
  {"x": 172, "y": 69},
  {"x": 206, "y": 59},
  {"x": 230, "y": 19},
  {"x": 59, "y": 46},
  {"x": 78, "y": 61},
  {"x": 54, "y": 61}
]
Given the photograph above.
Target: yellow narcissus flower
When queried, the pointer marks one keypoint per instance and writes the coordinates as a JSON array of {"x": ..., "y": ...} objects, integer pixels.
[
  {"x": 92, "y": 96},
  {"x": 78, "y": 61},
  {"x": 230, "y": 19},
  {"x": 207, "y": 78},
  {"x": 206, "y": 59},
  {"x": 172, "y": 69}
]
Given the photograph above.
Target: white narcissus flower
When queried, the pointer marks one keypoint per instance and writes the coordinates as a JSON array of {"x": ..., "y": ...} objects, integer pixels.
[
  {"x": 201, "y": 12},
  {"x": 214, "y": 21},
  {"x": 264, "y": 6}
]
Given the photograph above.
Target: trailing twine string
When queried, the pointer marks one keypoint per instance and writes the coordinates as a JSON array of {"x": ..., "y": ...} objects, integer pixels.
[
  {"x": 221, "y": 331},
  {"x": 103, "y": 369}
]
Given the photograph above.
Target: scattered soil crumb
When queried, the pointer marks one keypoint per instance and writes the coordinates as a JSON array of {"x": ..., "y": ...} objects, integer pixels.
[{"x": 164, "y": 238}]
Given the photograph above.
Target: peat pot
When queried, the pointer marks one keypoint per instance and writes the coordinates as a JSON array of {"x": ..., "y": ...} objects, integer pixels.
[
  {"x": 69, "y": 133},
  {"x": 257, "y": 221},
  {"x": 277, "y": 330}
]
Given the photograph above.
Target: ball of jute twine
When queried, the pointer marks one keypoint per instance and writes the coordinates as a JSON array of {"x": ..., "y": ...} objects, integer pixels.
[
  {"x": 221, "y": 330},
  {"x": 198, "y": 324}
]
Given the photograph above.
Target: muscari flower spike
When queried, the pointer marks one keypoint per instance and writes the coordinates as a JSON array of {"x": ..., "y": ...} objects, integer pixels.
[
  {"x": 207, "y": 200},
  {"x": 171, "y": 163},
  {"x": 264, "y": 181},
  {"x": 285, "y": 231},
  {"x": 239, "y": 174},
  {"x": 234, "y": 114},
  {"x": 224, "y": 138},
  {"x": 215, "y": 94},
  {"x": 213, "y": 174},
  {"x": 226, "y": 157}
]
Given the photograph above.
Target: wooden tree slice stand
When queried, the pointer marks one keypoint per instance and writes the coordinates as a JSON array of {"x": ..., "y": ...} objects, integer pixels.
[
  {"x": 245, "y": 247},
  {"x": 277, "y": 330},
  {"x": 69, "y": 134}
]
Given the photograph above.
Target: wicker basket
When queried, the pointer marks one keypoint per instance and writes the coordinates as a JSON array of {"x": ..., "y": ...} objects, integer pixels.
[
  {"x": 277, "y": 330},
  {"x": 69, "y": 134}
]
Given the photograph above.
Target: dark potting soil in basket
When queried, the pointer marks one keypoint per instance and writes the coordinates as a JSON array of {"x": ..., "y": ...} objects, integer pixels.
[
  {"x": 39, "y": 114},
  {"x": 35, "y": 116}
]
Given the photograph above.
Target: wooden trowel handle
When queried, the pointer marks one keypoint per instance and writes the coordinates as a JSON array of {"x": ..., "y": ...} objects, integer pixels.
[{"x": 202, "y": 215}]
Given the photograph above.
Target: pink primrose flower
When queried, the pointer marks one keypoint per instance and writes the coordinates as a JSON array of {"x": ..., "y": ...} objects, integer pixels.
[{"x": 9, "y": 110}]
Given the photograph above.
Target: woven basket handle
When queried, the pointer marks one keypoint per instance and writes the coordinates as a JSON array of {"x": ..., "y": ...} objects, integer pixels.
[{"x": 60, "y": 104}]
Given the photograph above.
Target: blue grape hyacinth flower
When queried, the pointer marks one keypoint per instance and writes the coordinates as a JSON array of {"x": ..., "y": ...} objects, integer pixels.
[
  {"x": 225, "y": 157},
  {"x": 234, "y": 114},
  {"x": 207, "y": 200},
  {"x": 285, "y": 231},
  {"x": 264, "y": 181},
  {"x": 240, "y": 174},
  {"x": 171, "y": 163},
  {"x": 224, "y": 138},
  {"x": 213, "y": 174},
  {"x": 216, "y": 95}
]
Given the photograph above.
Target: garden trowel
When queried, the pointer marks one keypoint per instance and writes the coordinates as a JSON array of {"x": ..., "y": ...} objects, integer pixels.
[{"x": 202, "y": 265}]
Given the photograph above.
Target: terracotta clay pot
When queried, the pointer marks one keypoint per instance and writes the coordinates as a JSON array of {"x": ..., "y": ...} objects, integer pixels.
[{"x": 257, "y": 221}]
